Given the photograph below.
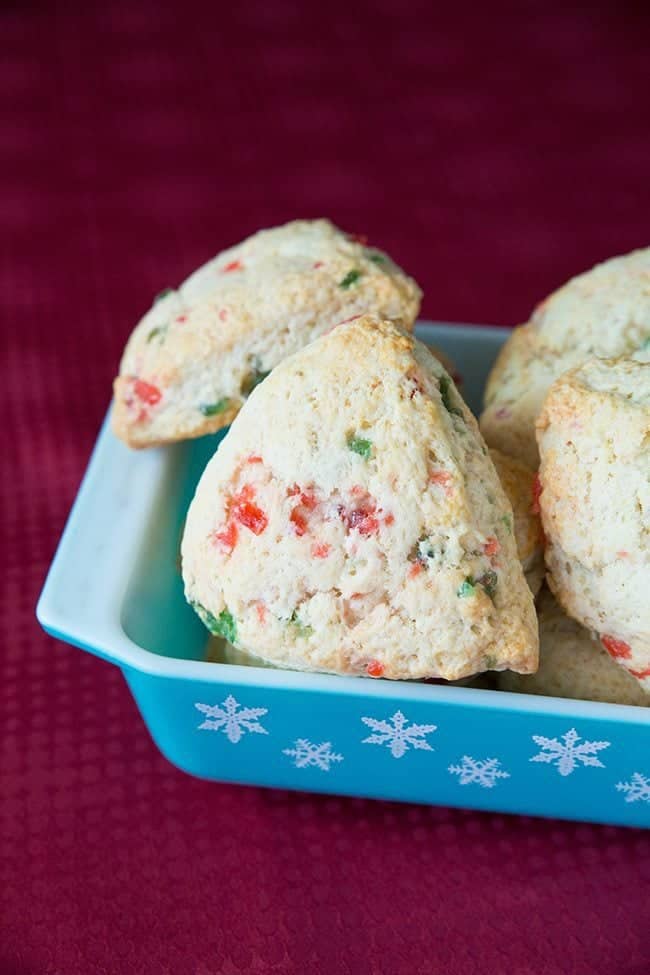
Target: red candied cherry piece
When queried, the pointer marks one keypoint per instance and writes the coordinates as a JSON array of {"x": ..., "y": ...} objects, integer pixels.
[
  {"x": 358, "y": 238},
  {"x": 363, "y": 517},
  {"x": 308, "y": 500},
  {"x": 147, "y": 392},
  {"x": 227, "y": 539},
  {"x": 536, "y": 492},
  {"x": 363, "y": 520},
  {"x": 616, "y": 648},
  {"x": 374, "y": 668},
  {"x": 320, "y": 550},
  {"x": 298, "y": 521},
  {"x": 492, "y": 546},
  {"x": 254, "y": 459},
  {"x": 306, "y": 503},
  {"x": 246, "y": 493},
  {"x": 369, "y": 525},
  {"x": 234, "y": 266},
  {"x": 640, "y": 674},
  {"x": 415, "y": 570},
  {"x": 260, "y": 609},
  {"x": 251, "y": 517},
  {"x": 247, "y": 512},
  {"x": 443, "y": 479}
]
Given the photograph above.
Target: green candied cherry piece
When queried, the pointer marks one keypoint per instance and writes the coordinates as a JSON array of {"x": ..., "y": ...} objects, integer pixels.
[
  {"x": 360, "y": 446},
  {"x": 507, "y": 521},
  {"x": 378, "y": 258},
  {"x": 489, "y": 582},
  {"x": 444, "y": 386},
  {"x": 350, "y": 278},
  {"x": 227, "y": 626},
  {"x": 163, "y": 294},
  {"x": 646, "y": 343},
  {"x": 223, "y": 625},
  {"x": 160, "y": 331},
  {"x": 213, "y": 409},
  {"x": 466, "y": 588},
  {"x": 251, "y": 380},
  {"x": 302, "y": 629}
]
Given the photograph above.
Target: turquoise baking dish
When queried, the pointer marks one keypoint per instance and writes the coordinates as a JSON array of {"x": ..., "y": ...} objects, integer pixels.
[{"x": 114, "y": 589}]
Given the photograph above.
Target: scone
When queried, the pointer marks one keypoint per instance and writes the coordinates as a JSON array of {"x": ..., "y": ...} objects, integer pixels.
[
  {"x": 219, "y": 651},
  {"x": 518, "y": 483},
  {"x": 352, "y": 522},
  {"x": 445, "y": 360},
  {"x": 594, "y": 442},
  {"x": 572, "y": 663},
  {"x": 604, "y": 312},
  {"x": 196, "y": 355},
  {"x": 514, "y": 394}
]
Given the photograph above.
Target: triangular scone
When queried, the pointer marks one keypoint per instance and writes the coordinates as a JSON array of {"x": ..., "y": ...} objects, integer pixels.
[
  {"x": 594, "y": 441},
  {"x": 197, "y": 354},
  {"x": 604, "y": 312},
  {"x": 352, "y": 522}
]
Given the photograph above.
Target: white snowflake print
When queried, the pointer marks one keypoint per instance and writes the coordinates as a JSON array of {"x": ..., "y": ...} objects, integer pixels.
[
  {"x": 231, "y": 718},
  {"x": 483, "y": 772},
  {"x": 399, "y": 735},
  {"x": 306, "y": 754},
  {"x": 567, "y": 754},
  {"x": 637, "y": 789}
]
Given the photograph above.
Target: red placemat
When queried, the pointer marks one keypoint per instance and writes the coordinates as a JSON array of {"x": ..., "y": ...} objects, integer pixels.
[{"x": 494, "y": 153}]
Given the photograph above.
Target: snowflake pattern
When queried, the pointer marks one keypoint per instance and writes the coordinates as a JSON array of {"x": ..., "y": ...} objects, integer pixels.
[
  {"x": 567, "y": 754},
  {"x": 231, "y": 718},
  {"x": 637, "y": 789},
  {"x": 483, "y": 772},
  {"x": 399, "y": 735},
  {"x": 305, "y": 754}
]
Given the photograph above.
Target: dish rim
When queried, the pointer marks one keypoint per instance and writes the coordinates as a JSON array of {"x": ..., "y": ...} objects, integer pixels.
[{"x": 98, "y": 628}]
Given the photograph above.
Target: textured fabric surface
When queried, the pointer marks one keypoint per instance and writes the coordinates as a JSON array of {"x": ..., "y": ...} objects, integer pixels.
[{"x": 494, "y": 154}]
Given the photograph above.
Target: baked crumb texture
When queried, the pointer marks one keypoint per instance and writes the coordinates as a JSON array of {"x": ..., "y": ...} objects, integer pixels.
[
  {"x": 352, "y": 522},
  {"x": 195, "y": 357},
  {"x": 573, "y": 663},
  {"x": 594, "y": 441},
  {"x": 603, "y": 312}
]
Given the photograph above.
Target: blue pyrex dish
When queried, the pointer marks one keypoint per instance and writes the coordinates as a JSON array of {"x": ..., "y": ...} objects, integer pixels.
[{"x": 114, "y": 589}]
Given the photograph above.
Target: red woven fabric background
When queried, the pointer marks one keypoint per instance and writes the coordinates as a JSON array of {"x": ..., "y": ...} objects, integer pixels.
[{"x": 494, "y": 153}]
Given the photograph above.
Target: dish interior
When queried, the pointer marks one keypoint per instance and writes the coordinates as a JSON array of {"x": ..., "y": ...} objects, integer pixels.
[{"x": 155, "y": 614}]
